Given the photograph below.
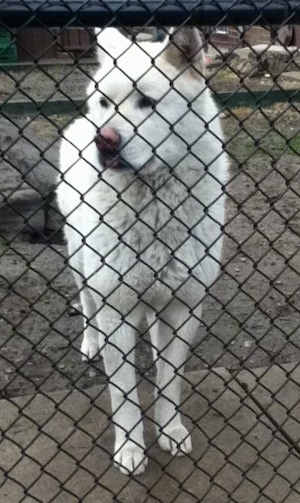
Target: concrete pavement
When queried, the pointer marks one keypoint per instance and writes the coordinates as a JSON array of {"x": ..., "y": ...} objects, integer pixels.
[{"x": 58, "y": 447}]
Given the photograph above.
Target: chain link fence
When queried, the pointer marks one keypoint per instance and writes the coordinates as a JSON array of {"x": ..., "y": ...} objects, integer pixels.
[{"x": 119, "y": 148}]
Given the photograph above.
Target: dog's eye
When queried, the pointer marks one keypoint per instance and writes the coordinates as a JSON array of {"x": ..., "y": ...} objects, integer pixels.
[
  {"x": 146, "y": 102},
  {"x": 104, "y": 103}
]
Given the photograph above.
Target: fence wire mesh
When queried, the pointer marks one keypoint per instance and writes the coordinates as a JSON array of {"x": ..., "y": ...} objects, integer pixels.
[{"x": 111, "y": 140}]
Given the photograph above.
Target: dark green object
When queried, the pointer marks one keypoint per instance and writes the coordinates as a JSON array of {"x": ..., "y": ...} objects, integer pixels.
[
  {"x": 5, "y": 36},
  {"x": 8, "y": 53},
  {"x": 8, "y": 50}
]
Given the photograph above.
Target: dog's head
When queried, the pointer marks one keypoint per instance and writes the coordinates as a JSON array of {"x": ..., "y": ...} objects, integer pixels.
[{"x": 145, "y": 100}]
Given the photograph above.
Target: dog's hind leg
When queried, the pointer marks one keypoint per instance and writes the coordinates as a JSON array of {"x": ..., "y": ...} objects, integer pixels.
[
  {"x": 92, "y": 339},
  {"x": 171, "y": 338}
]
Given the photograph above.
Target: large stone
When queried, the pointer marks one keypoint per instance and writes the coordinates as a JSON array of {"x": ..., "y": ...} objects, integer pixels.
[
  {"x": 37, "y": 164},
  {"x": 263, "y": 58}
]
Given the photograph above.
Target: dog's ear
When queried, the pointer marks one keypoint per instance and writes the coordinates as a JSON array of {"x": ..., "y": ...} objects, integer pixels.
[
  {"x": 110, "y": 43},
  {"x": 184, "y": 47}
]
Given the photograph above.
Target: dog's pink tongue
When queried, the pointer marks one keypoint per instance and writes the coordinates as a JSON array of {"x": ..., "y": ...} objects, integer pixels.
[{"x": 107, "y": 140}]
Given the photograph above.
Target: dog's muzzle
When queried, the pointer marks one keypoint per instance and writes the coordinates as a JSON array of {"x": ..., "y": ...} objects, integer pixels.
[{"x": 108, "y": 142}]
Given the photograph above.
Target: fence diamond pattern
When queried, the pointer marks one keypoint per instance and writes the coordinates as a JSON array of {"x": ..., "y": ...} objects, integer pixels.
[{"x": 240, "y": 391}]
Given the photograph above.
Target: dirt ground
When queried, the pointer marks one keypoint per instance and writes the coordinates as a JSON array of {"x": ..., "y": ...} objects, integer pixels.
[
  {"x": 251, "y": 315},
  {"x": 226, "y": 80}
]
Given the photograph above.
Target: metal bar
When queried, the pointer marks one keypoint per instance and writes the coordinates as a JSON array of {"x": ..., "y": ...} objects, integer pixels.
[
  {"x": 16, "y": 13},
  {"x": 227, "y": 100}
]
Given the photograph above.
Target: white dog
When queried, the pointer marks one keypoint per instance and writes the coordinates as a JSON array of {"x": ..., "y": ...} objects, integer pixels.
[{"x": 142, "y": 191}]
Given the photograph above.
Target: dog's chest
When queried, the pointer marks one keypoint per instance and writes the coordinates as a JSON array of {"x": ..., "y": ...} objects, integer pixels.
[
  {"x": 154, "y": 236},
  {"x": 145, "y": 242}
]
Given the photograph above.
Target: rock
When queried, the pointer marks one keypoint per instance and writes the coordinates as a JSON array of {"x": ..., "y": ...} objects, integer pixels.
[
  {"x": 37, "y": 164},
  {"x": 261, "y": 59}
]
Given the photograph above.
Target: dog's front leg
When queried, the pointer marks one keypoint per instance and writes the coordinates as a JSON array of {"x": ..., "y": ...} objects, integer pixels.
[
  {"x": 118, "y": 356},
  {"x": 171, "y": 340}
]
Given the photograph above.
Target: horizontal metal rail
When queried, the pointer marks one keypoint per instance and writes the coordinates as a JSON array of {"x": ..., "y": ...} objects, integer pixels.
[
  {"x": 223, "y": 99},
  {"x": 16, "y": 13}
]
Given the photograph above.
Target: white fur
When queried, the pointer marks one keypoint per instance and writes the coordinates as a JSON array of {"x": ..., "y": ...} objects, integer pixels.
[{"x": 146, "y": 240}]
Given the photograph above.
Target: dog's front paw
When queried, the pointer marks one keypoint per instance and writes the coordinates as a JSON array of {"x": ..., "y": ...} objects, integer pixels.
[
  {"x": 130, "y": 459},
  {"x": 176, "y": 440},
  {"x": 90, "y": 348}
]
